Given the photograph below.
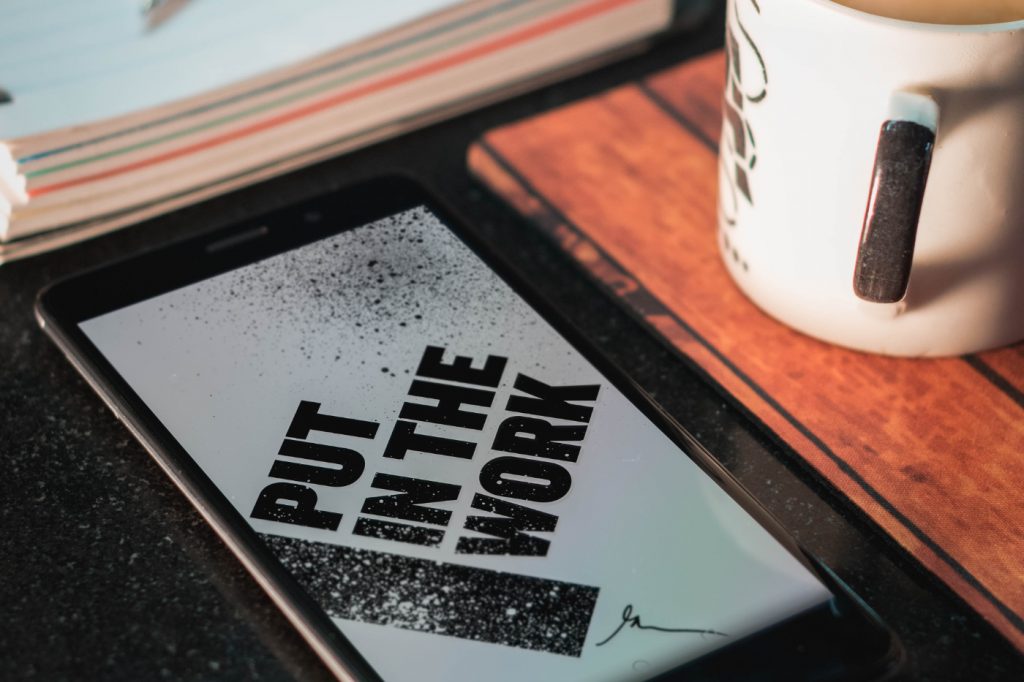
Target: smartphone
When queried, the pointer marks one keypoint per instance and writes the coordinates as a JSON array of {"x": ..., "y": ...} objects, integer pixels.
[{"x": 431, "y": 472}]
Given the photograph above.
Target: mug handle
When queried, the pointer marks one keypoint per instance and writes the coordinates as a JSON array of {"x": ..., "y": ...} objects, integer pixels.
[{"x": 902, "y": 160}]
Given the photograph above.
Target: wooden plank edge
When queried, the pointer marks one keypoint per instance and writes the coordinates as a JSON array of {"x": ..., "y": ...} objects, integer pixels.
[{"x": 486, "y": 168}]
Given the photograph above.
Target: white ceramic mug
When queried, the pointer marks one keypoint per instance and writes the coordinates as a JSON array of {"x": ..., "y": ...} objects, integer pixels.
[{"x": 871, "y": 185}]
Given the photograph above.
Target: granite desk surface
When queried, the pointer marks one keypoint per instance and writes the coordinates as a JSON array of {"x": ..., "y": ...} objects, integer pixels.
[{"x": 106, "y": 572}]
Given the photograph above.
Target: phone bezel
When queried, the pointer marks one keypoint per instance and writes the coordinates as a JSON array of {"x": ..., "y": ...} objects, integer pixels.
[{"x": 63, "y": 305}]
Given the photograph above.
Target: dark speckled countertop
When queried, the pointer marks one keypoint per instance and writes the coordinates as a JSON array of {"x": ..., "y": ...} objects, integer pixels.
[{"x": 106, "y": 572}]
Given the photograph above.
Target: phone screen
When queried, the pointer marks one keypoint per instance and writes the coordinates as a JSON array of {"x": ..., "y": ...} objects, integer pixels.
[{"x": 458, "y": 488}]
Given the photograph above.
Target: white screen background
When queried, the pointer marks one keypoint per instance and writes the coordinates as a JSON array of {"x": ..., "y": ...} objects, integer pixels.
[{"x": 224, "y": 362}]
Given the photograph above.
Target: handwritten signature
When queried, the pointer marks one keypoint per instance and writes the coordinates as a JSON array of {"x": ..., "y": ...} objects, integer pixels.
[{"x": 633, "y": 621}]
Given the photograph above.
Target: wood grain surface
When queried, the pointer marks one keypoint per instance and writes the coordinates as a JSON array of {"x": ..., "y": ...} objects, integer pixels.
[{"x": 931, "y": 450}]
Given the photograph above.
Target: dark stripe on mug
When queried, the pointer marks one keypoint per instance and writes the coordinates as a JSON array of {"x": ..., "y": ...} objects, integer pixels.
[{"x": 894, "y": 206}]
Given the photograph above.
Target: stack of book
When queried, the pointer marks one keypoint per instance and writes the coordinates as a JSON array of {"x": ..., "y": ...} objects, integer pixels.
[{"x": 111, "y": 112}]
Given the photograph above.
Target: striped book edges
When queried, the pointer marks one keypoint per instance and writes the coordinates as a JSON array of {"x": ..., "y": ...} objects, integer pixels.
[{"x": 111, "y": 122}]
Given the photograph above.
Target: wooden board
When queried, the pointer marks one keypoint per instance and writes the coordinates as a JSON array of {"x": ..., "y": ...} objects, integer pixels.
[{"x": 931, "y": 450}]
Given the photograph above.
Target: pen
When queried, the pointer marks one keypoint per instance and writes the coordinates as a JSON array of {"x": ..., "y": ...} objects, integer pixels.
[{"x": 158, "y": 12}]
